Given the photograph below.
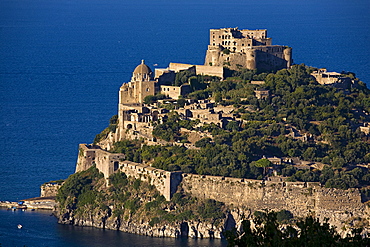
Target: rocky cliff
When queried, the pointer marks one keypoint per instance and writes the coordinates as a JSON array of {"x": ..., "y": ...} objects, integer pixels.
[
  {"x": 131, "y": 205},
  {"x": 105, "y": 220}
]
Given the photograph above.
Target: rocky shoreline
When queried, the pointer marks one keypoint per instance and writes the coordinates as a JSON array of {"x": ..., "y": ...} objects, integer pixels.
[{"x": 191, "y": 229}]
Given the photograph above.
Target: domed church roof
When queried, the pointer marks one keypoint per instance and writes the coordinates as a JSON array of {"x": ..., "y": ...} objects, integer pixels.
[{"x": 142, "y": 69}]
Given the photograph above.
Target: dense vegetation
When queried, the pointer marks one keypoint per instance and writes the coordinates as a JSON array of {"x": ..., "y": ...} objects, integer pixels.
[
  {"x": 329, "y": 118},
  {"x": 268, "y": 231},
  {"x": 132, "y": 199},
  {"x": 77, "y": 191}
]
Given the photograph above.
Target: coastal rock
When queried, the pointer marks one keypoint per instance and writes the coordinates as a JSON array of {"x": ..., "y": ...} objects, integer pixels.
[{"x": 104, "y": 220}]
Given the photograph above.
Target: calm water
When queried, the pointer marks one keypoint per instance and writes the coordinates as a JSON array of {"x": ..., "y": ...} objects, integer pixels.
[{"x": 62, "y": 63}]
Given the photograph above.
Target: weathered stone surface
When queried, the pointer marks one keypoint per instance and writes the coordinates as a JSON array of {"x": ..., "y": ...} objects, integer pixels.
[{"x": 101, "y": 219}]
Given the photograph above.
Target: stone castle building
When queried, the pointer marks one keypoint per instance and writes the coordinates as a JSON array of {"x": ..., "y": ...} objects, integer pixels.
[
  {"x": 235, "y": 48},
  {"x": 250, "y": 49}
]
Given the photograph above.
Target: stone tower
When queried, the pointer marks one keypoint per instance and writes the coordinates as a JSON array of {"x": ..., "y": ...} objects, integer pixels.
[{"x": 131, "y": 110}]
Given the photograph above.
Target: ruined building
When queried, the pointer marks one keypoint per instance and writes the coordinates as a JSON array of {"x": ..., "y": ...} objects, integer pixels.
[
  {"x": 334, "y": 79},
  {"x": 250, "y": 49}
]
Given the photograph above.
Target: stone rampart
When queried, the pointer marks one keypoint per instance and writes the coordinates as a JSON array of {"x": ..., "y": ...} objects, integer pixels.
[
  {"x": 106, "y": 162},
  {"x": 109, "y": 163},
  {"x": 49, "y": 189},
  {"x": 199, "y": 69},
  {"x": 298, "y": 197},
  {"x": 165, "y": 182}
]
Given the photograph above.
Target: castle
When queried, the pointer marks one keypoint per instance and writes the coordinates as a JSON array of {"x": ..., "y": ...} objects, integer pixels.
[{"x": 250, "y": 49}]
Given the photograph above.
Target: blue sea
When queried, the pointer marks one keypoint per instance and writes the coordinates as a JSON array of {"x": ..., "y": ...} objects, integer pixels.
[{"x": 62, "y": 63}]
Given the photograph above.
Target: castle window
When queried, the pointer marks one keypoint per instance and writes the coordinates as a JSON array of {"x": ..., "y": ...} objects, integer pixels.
[{"x": 147, "y": 89}]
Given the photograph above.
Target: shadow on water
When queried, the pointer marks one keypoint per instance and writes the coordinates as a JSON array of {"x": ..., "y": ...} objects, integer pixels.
[
  {"x": 41, "y": 229},
  {"x": 88, "y": 236}
]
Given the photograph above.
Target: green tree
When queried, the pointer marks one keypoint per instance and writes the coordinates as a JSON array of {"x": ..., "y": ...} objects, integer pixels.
[{"x": 310, "y": 233}]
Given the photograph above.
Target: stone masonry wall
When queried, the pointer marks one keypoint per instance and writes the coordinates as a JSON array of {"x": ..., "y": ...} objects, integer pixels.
[
  {"x": 298, "y": 197},
  {"x": 109, "y": 163},
  {"x": 165, "y": 182},
  {"x": 49, "y": 189}
]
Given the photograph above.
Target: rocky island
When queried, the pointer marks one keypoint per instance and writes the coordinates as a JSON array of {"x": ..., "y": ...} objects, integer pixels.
[{"x": 196, "y": 149}]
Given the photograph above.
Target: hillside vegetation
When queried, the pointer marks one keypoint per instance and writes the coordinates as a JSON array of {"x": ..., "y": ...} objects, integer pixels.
[
  {"x": 329, "y": 118},
  {"x": 85, "y": 195}
]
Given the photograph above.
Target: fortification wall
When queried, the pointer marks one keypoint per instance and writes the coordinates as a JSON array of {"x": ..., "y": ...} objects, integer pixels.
[
  {"x": 49, "y": 189},
  {"x": 165, "y": 182},
  {"x": 199, "y": 69},
  {"x": 298, "y": 197},
  {"x": 106, "y": 162},
  {"x": 109, "y": 163},
  {"x": 210, "y": 70}
]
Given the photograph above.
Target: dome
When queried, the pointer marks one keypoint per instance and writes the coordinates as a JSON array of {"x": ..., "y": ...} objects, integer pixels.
[{"x": 142, "y": 69}]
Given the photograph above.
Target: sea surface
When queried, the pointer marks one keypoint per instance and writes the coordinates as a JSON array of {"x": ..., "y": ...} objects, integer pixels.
[{"x": 62, "y": 63}]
